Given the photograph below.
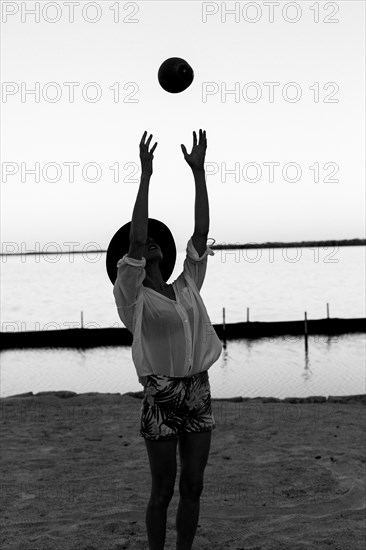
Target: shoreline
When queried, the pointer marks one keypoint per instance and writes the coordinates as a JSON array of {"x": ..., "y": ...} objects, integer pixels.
[
  {"x": 66, "y": 394},
  {"x": 86, "y": 338}
]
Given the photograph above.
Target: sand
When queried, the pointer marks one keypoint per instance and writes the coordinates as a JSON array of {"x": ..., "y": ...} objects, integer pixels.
[{"x": 284, "y": 474}]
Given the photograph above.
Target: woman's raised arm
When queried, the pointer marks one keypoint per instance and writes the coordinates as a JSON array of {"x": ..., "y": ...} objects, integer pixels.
[
  {"x": 196, "y": 161},
  {"x": 138, "y": 231}
]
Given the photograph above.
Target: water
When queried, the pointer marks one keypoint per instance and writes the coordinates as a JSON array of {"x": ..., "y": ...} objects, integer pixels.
[
  {"x": 43, "y": 293},
  {"x": 267, "y": 367}
]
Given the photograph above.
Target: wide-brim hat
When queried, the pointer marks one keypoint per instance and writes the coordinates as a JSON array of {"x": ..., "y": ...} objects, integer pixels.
[{"x": 156, "y": 230}]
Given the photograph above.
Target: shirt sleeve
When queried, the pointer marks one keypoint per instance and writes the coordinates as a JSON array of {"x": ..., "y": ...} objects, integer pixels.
[
  {"x": 130, "y": 275},
  {"x": 194, "y": 265}
]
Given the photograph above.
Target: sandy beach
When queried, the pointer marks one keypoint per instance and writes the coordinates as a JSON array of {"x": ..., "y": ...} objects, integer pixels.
[{"x": 282, "y": 474}]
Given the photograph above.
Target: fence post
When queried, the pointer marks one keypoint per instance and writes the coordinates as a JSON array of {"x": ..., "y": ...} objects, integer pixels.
[
  {"x": 82, "y": 319},
  {"x": 306, "y": 331},
  {"x": 223, "y": 327},
  {"x": 247, "y": 315},
  {"x": 327, "y": 310}
]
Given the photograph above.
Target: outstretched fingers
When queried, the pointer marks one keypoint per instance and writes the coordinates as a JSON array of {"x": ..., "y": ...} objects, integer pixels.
[
  {"x": 202, "y": 141},
  {"x": 146, "y": 145}
]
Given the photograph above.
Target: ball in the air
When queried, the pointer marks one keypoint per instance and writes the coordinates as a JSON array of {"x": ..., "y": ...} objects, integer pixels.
[{"x": 175, "y": 75}]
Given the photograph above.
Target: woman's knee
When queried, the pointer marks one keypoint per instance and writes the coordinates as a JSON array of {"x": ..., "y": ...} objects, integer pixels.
[
  {"x": 161, "y": 496},
  {"x": 190, "y": 489}
]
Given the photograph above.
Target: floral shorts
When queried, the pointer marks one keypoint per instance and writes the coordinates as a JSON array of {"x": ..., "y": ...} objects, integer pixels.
[{"x": 172, "y": 406}]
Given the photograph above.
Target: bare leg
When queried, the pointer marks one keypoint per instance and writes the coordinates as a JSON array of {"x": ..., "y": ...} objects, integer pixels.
[
  {"x": 163, "y": 466},
  {"x": 194, "y": 449}
]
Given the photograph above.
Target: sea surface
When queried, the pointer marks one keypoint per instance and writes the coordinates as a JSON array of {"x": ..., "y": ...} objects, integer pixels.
[{"x": 278, "y": 284}]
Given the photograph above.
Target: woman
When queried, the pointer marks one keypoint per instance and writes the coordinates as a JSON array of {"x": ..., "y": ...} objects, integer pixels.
[{"x": 174, "y": 346}]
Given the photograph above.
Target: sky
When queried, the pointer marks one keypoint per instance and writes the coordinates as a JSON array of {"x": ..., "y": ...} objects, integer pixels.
[{"x": 279, "y": 88}]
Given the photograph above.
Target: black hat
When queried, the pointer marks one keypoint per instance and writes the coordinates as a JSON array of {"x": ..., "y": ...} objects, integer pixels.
[{"x": 156, "y": 230}]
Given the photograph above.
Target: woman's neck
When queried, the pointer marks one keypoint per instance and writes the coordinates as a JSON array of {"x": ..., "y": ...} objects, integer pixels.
[{"x": 155, "y": 282}]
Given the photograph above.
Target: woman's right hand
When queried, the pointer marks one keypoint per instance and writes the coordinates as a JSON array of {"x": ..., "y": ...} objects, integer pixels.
[{"x": 146, "y": 156}]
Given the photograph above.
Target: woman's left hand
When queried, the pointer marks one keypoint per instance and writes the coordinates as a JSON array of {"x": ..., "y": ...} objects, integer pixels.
[{"x": 196, "y": 159}]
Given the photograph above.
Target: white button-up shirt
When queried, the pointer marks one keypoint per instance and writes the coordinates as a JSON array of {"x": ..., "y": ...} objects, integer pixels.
[{"x": 170, "y": 337}]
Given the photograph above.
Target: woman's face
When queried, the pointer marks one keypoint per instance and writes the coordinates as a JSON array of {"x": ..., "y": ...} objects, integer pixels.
[{"x": 152, "y": 250}]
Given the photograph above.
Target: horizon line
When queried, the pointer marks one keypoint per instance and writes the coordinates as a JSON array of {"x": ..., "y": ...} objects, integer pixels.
[{"x": 266, "y": 244}]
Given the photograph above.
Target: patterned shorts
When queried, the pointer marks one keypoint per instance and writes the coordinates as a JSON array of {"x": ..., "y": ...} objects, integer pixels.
[{"x": 173, "y": 405}]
